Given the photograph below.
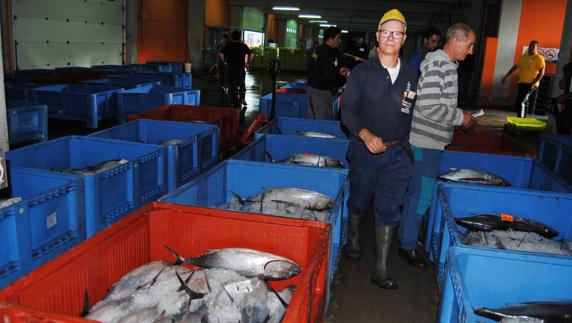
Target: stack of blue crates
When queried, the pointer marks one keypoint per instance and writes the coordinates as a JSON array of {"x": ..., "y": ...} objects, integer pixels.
[
  {"x": 48, "y": 221},
  {"x": 27, "y": 121},
  {"x": 78, "y": 102},
  {"x": 143, "y": 98},
  {"x": 555, "y": 152},
  {"x": 108, "y": 195},
  {"x": 194, "y": 151},
  {"x": 520, "y": 172},
  {"x": 293, "y": 105}
]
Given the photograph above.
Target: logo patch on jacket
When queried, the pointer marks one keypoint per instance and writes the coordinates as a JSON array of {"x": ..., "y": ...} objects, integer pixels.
[{"x": 407, "y": 99}]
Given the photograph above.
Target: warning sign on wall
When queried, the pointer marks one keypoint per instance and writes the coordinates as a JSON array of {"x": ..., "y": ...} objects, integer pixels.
[{"x": 550, "y": 54}]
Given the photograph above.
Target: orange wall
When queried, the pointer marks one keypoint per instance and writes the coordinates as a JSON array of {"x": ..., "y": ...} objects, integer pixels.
[
  {"x": 271, "y": 28},
  {"x": 542, "y": 21},
  {"x": 489, "y": 62},
  {"x": 217, "y": 13},
  {"x": 162, "y": 30}
]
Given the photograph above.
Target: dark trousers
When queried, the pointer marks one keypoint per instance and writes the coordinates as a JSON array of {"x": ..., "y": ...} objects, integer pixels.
[
  {"x": 523, "y": 89},
  {"x": 381, "y": 178},
  {"x": 237, "y": 76}
]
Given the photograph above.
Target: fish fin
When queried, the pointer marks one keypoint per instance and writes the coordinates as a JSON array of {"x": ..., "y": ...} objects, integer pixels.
[
  {"x": 282, "y": 301},
  {"x": 187, "y": 280},
  {"x": 485, "y": 312},
  {"x": 179, "y": 260},
  {"x": 269, "y": 156},
  {"x": 152, "y": 282},
  {"x": 192, "y": 294},
  {"x": 239, "y": 198},
  {"x": 86, "y": 307}
]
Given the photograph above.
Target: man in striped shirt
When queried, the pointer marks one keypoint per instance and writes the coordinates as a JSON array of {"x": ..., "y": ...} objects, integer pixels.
[{"x": 434, "y": 118}]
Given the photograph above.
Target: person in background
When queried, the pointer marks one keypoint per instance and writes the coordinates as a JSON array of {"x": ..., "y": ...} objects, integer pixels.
[
  {"x": 378, "y": 105},
  {"x": 222, "y": 73},
  {"x": 237, "y": 56},
  {"x": 325, "y": 75},
  {"x": 434, "y": 118},
  {"x": 310, "y": 51},
  {"x": 357, "y": 51},
  {"x": 373, "y": 49},
  {"x": 431, "y": 39},
  {"x": 531, "y": 65}
]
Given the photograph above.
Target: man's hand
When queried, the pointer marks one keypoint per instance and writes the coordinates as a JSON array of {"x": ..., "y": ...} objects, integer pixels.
[
  {"x": 373, "y": 143},
  {"x": 467, "y": 119},
  {"x": 344, "y": 71}
]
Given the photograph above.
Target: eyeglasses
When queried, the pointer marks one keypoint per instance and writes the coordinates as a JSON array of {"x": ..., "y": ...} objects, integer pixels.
[{"x": 395, "y": 34}]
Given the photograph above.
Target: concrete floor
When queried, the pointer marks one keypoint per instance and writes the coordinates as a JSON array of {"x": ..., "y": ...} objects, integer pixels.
[{"x": 354, "y": 298}]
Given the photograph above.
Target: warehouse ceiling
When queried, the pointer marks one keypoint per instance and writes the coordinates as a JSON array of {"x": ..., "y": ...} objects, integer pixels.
[{"x": 363, "y": 15}]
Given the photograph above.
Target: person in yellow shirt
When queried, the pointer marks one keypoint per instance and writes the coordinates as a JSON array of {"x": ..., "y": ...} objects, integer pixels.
[{"x": 531, "y": 65}]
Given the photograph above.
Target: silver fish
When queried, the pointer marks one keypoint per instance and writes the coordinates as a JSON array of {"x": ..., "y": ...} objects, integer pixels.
[
  {"x": 277, "y": 308},
  {"x": 316, "y": 134},
  {"x": 247, "y": 262},
  {"x": 11, "y": 201},
  {"x": 517, "y": 240},
  {"x": 547, "y": 311},
  {"x": 474, "y": 177},
  {"x": 91, "y": 170},
  {"x": 309, "y": 199},
  {"x": 310, "y": 160}
]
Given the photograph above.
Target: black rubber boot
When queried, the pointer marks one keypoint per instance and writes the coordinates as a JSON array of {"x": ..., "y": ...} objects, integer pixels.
[
  {"x": 354, "y": 249},
  {"x": 383, "y": 239}
]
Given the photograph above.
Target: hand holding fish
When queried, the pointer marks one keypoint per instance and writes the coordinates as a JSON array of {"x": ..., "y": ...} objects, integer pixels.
[{"x": 373, "y": 143}]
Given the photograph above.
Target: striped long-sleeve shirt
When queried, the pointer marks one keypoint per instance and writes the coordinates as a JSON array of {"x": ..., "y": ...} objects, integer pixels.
[{"x": 436, "y": 114}]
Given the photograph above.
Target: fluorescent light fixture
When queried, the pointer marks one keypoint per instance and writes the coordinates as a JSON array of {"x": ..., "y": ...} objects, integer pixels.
[
  {"x": 327, "y": 25},
  {"x": 344, "y": 31},
  {"x": 286, "y": 8},
  {"x": 318, "y": 21},
  {"x": 310, "y": 16}
]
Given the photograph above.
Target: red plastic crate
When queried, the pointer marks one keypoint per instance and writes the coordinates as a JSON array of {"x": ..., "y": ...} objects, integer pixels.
[
  {"x": 55, "y": 291},
  {"x": 291, "y": 90},
  {"x": 227, "y": 119},
  {"x": 491, "y": 142}
]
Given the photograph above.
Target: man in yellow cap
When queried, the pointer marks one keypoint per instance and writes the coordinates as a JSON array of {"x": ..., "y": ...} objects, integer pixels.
[{"x": 378, "y": 106}]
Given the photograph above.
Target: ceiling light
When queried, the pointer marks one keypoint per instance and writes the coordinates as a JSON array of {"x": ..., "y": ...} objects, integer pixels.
[
  {"x": 318, "y": 21},
  {"x": 344, "y": 31},
  {"x": 286, "y": 8},
  {"x": 327, "y": 25},
  {"x": 310, "y": 16}
]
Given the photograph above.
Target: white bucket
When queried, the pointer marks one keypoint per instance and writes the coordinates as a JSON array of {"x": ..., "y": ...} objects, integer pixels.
[{"x": 188, "y": 67}]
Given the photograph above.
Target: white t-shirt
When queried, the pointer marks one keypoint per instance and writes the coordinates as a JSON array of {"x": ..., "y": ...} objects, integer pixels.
[{"x": 393, "y": 71}]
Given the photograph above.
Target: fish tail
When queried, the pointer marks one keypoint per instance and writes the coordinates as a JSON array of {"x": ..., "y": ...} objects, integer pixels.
[
  {"x": 483, "y": 311},
  {"x": 86, "y": 307},
  {"x": 239, "y": 198},
  {"x": 179, "y": 260},
  {"x": 192, "y": 294}
]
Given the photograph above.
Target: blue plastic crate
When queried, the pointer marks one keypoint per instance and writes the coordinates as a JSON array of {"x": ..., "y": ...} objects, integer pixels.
[
  {"x": 78, "y": 102},
  {"x": 299, "y": 84},
  {"x": 521, "y": 172},
  {"x": 15, "y": 241},
  {"x": 130, "y": 68},
  {"x": 27, "y": 121},
  {"x": 287, "y": 105},
  {"x": 186, "y": 159},
  {"x": 493, "y": 279},
  {"x": 163, "y": 66},
  {"x": 290, "y": 126},
  {"x": 16, "y": 88},
  {"x": 459, "y": 201},
  {"x": 277, "y": 147},
  {"x": 48, "y": 221},
  {"x": 72, "y": 69},
  {"x": 143, "y": 98},
  {"x": 125, "y": 83},
  {"x": 247, "y": 178},
  {"x": 108, "y": 195}
]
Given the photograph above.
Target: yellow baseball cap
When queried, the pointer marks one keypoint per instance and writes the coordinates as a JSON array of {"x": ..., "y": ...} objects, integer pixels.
[{"x": 392, "y": 14}]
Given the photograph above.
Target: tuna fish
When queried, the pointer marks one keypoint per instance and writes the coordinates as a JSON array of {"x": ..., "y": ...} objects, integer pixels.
[
  {"x": 489, "y": 222},
  {"x": 316, "y": 134},
  {"x": 548, "y": 311},
  {"x": 309, "y": 160},
  {"x": 517, "y": 240},
  {"x": 91, "y": 170},
  {"x": 309, "y": 199},
  {"x": 472, "y": 176},
  {"x": 247, "y": 262}
]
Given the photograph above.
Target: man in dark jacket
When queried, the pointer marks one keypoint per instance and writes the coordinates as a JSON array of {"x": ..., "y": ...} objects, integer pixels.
[
  {"x": 325, "y": 75},
  {"x": 237, "y": 55},
  {"x": 378, "y": 106}
]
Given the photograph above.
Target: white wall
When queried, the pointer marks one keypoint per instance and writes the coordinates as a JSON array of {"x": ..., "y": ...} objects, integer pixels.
[{"x": 59, "y": 33}]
